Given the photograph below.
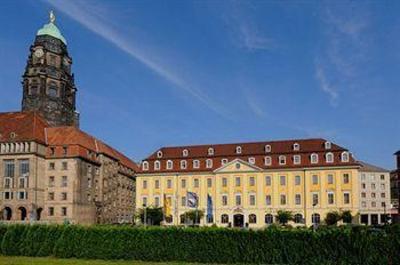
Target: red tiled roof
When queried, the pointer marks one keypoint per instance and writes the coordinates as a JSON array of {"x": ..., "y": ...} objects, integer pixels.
[
  {"x": 22, "y": 126},
  {"x": 30, "y": 126},
  {"x": 254, "y": 150}
]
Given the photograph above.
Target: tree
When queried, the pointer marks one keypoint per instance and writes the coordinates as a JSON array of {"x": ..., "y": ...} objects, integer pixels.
[
  {"x": 154, "y": 215},
  {"x": 332, "y": 218},
  {"x": 347, "y": 217},
  {"x": 194, "y": 216},
  {"x": 284, "y": 216}
]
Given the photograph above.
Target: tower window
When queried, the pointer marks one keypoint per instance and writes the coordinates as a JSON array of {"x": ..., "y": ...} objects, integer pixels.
[
  {"x": 296, "y": 147},
  {"x": 185, "y": 153},
  {"x": 238, "y": 150},
  {"x": 210, "y": 151},
  {"x": 52, "y": 90}
]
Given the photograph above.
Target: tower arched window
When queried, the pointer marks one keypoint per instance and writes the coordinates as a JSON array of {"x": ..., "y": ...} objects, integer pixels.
[
  {"x": 328, "y": 145},
  {"x": 169, "y": 164},
  {"x": 209, "y": 163},
  {"x": 185, "y": 153},
  {"x": 314, "y": 158},
  {"x": 345, "y": 156},
  {"x": 238, "y": 149},
  {"x": 210, "y": 151},
  {"x": 267, "y": 148},
  {"x": 145, "y": 165},
  {"x": 52, "y": 90},
  {"x": 157, "y": 165},
  {"x": 329, "y": 158},
  {"x": 296, "y": 147}
]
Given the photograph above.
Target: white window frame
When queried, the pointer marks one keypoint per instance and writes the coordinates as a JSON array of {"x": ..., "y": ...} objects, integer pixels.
[
  {"x": 252, "y": 160},
  {"x": 297, "y": 159},
  {"x": 327, "y": 199},
  {"x": 210, "y": 151},
  {"x": 252, "y": 195},
  {"x": 267, "y": 148},
  {"x": 185, "y": 153},
  {"x": 328, "y": 145},
  {"x": 314, "y": 158},
  {"x": 282, "y": 160},
  {"x": 209, "y": 163},
  {"x": 329, "y": 157},
  {"x": 296, "y": 147},
  {"x": 267, "y": 160},
  {"x": 224, "y": 161},
  {"x": 159, "y": 154},
  {"x": 157, "y": 165},
  {"x": 238, "y": 150},
  {"x": 170, "y": 164},
  {"x": 145, "y": 165},
  {"x": 196, "y": 163},
  {"x": 344, "y": 202},
  {"x": 345, "y": 156},
  {"x": 183, "y": 164}
]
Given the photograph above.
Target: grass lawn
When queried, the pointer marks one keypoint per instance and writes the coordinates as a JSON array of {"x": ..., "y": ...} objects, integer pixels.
[{"x": 53, "y": 261}]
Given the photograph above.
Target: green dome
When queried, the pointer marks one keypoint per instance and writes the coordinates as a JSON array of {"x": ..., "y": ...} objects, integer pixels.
[{"x": 51, "y": 30}]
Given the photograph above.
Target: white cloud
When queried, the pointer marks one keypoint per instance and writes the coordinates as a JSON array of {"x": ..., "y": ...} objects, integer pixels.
[
  {"x": 96, "y": 19},
  {"x": 325, "y": 85}
]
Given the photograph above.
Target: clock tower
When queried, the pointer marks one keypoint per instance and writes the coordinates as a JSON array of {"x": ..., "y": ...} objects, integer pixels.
[{"x": 48, "y": 83}]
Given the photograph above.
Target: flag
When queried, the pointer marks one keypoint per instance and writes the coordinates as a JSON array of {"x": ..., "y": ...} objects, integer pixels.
[
  {"x": 167, "y": 206},
  {"x": 192, "y": 200},
  {"x": 209, "y": 207}
]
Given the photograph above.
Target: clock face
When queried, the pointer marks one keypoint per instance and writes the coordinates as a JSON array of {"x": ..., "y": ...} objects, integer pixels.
[{"x": 39, "y": 53}]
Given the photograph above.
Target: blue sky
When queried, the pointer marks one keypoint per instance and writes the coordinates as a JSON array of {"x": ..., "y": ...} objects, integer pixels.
[{"x": 161, "y": 73}]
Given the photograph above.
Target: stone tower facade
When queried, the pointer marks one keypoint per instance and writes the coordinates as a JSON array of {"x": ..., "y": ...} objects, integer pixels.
[{"x": 48, "y": 83}]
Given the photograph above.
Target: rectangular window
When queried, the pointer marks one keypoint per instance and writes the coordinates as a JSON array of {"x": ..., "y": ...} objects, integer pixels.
[
  {"x": 383, "y": 186},
  {"x": 64, "y": 181},
  {"x": 283, "y": 180},
  {"x": 237, "y": 181},
  {"x": 373, "y": 204},
  {"x": 331, "y": 198},
  {"x": 8, "y": 183},
  {"x": 363, "y": 195},
  {"x": 224, "y": 182},
  {"x": 24, "y": 167},
  {"x": 157, "y": 184},
  {"x": 346, "y": 178},
  {"x": 296, "y": 159},
  {"x": 330, "y": 179},
  {"x": 268, "y": 200},
  {"x": 238, "y": 200},
  {"x": 64, "y": 211},
  {"x": 373, "y": 186},
  {"x": 224, "y": 200},
  {"x": 383, "y": 195},
  {"x": 252, "y": 181},
  {"x": 252, "y": 199},
  {"x": 298, "y": 199},
  {"x": 51, "y": 211},
  {"x": 63, "y": 196},
  {"x": 22, "y": 195},
  {"x": 23, "y": 182},
  {"x": 196, "y": 183},
  {"x": 9, "y": 168},
  {"x": 382, "y": 177},
  {"x": 268, "y": 180},
  {"x": 283, "y": 199},
  {"x": 144, "y": 184},
  {"x": 144, "y": 199},
  {"x": 315, "y": 180},
  {"x": 209, "y": 183},
  {"x": 183, "y": 201},
  {"x": 8, "y": 195},
  {"x": 346, "y": 198},
  {"x": 364, "y": 204},
  {"x": 50, "y": 196},
  {"x": 51, "y": 181},
  {"x": 315, "y": 199},
  {"x": 169, "y": 184},
  {"x": 52, "y": 166},
  {"x": 64, "y": 165},
  {"x": 157, "y": 202},
  {"x": 363, "y": 186},
  {"x": 297, "y": 180},
  {"x": 183, "y": 183}
]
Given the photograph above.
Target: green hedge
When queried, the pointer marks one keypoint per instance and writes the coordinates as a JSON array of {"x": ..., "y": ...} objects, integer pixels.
[{"x": 343, "y": 245}]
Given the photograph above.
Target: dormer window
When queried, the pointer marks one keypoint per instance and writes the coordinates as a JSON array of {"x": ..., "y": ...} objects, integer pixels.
[
  {"x": 282, "y": 160},
  {"x": 328, "y": 145},
  {"x": 314, "y": 158},
  {"x": 267, "y": 148},
  {"x": 238, "y": 149},
  {"x": 210, "y": 151},
  {"x": 296, "y": 147},
  {"x": 329, "y": 158},
  {"x": 196, "y": 164},
  {"x": 170, "y": 164},
  {"x": 345, "y": 156},
  {"x": 252, "y": 160},
  {"x": 209, "y": 163},
  {"x": 157, "y": 165},
  {"x": 267, "y": 160},
  {"x": 159, "y": 154},
  {"x": 224, "y": 161},
  {"x": 297, "y": 159},
  {"x": 183, "y": 164},
  {"x": 185, "y": 153},
  {"x": 145, "y": 165}
]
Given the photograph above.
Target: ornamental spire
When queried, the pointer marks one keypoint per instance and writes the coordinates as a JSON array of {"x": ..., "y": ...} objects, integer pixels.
[{"x": 52, "y": 17}]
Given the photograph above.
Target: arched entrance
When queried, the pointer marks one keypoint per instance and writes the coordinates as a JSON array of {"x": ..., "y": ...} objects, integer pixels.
[
  {"x": 22, "y": 212},
  {"x": 7, "y": 213},
  {"x": 38, "y": 213},
  {"x": 238, "y": 220}
]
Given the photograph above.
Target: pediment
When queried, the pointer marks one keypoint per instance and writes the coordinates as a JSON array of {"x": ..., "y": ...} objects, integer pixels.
[{"x": 237, "y": 165}]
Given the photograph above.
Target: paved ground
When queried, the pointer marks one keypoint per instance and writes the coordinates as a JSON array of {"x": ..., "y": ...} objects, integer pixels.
[{"x": 52, "y": 261}]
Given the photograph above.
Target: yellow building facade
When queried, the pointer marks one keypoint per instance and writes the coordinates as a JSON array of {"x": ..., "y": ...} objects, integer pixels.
[{"x": 245, "y": 192}]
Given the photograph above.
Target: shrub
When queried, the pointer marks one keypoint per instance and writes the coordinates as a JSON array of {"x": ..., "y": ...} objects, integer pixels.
[
  {"x": 332, "y": 218},
  {"x": 154, "y": 215},
  {"x": 328, "y": 245},
  {"x": 284, "y": 217},
  {"x": 347, "y": 217}
]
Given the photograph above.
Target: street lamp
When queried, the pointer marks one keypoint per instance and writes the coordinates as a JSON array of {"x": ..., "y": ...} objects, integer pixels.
[
  {"x": 145, "y": 214},
  {"x": 313, "y": 216}
]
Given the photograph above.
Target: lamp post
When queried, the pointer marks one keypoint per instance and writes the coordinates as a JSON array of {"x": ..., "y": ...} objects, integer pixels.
[
  {"x": 384, "y": 212},
  {"x": 313, "y": 217}
]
